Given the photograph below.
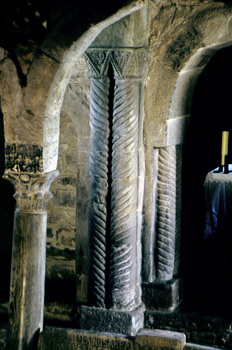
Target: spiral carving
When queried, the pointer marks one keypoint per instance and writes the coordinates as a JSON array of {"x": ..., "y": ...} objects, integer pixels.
[
  {"x": 178, "y": 207},
  {"x": 124, "y": 194},
  {"x": 166, "y": 213},
  {"x": 98, "y": 167}
]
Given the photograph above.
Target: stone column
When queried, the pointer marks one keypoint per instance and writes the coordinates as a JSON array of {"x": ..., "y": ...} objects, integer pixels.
[
  {"x": 99, "y": 172},
  {"x": 26, "y": 305},
  {"x": 117, "y": 181},
  {"x": 126, "y": 198},
  {"x": 165, "y": 292}
]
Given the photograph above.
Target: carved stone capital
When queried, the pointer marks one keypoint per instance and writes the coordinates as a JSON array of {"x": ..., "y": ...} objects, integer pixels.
[
  {"x": 128, "y": 63},
  {"x": 32, "y": 190},
  {"x": 98, "y": 63}
]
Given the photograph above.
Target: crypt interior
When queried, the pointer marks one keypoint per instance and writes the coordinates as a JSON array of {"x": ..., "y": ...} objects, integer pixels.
[{"x": 115, "y": 205}]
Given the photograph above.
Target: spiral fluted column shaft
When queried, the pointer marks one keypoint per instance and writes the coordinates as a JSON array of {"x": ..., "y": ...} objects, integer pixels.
[
  {"x": 99, "y": 122},
  {"x": 124, "y": 195},
  {"x": 166, "y": 213}
]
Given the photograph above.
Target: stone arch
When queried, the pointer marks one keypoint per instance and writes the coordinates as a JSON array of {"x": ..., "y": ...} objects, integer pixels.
[
  {"x": 33, "y": 121},
  {"x": 68, "y": 62},
  {"x": 181, "y": 103},
  {"x": 35, "y": 129},
  {"x": 179, "y": 124},
  {"x": 207, "y": 128},
  {"x": 58, "y": 86},
  {"x": 177, "y": 63}
]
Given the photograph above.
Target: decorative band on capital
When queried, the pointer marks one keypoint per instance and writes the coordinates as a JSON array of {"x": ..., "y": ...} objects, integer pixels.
[
  {"x": 32, "y": 190},
  {"x": 127, "y": 63},
  {"x": 24, "y": 158}
]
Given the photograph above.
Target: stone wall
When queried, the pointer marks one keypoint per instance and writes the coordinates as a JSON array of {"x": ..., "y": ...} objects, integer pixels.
[
  {"x": 183, "y": 37},
  {"x": 173, "y": 41},
  {"x": 68, "y": 211}
]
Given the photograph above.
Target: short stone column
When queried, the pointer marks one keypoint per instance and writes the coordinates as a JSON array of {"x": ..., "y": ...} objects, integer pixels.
[
  {"x": 26, "y": 306},
  {"x": 165, "y": 292}
]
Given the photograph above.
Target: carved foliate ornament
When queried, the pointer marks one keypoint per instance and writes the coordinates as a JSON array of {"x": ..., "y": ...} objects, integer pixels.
[
  {"x": 23, "y": 158},
  {"x": 32, "y": 190}
]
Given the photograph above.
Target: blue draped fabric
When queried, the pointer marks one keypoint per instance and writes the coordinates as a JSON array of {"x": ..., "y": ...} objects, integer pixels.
[{"x": 218, "y": 200}]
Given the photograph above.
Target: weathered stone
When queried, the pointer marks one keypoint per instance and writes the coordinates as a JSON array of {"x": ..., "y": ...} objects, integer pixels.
[
  {"x": 24, "y": 158},
  {"x": 64, "y": 198},
  {"x": 71, "y": 339},
  {"x": 114, "y": 157},
  {"x": 114, "y": 321},
  {"x": 183, "y": 37},
  {"x": 11, "y": 100},
  {"x": 28, "y": 258},
  {"x": 162, "y": 295},
  {"x": 158, "y": 340},
  {"x": 198, "y": 347},
  {"x": 176, "y": 130}
]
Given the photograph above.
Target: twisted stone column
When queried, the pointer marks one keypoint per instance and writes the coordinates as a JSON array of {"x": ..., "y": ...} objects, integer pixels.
[
  {"x": 116, "y": 192},
  {"x": 98, "y": 168},
  {"x": 166, "y": 211},
  {"x": 124, "y": 232},
  {"x": 165, "y": 292},
  {"x": 26, "y": 305},
  {"x": 168, "y": 225}
]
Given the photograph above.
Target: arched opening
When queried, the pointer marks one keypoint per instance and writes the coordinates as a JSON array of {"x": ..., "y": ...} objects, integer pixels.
[
  {"x": 207, "y": 267},
  {"x": 68, "y": 94}
]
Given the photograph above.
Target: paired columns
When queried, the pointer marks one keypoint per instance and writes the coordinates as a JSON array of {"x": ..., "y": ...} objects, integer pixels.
[
  {"x": 26, "y": 306},
  {"x": 115, "y": 213},
  {"x": 117, "y": 174},
  {"x": 117, "y": 183}
]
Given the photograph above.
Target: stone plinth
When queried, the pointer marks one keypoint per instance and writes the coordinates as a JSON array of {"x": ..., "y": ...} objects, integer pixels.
[
  {"x": 72, "y": 339},
  {"x": 164, "y": 296},
  {"x": 159, "y": 340},
  {"x": 115, "y": 321}
]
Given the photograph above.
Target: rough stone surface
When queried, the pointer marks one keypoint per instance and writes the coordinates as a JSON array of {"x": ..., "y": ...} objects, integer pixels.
[
  {"x": 183, "y": 37},
  {"x": 198, "y": 328},
  {"x": 28, "y": 259},
  {"x": 65, "y": 339},
  {"x": 162, "y": 296},
  {"x": 159, "y": 339},
  {"x": 62, "y": 228},
  {"x": 114, "y": 321},
  {"x": 23, "y": 158}
]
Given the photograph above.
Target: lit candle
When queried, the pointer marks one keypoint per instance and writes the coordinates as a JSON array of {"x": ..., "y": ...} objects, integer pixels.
[{"x": 224, "y": 151}]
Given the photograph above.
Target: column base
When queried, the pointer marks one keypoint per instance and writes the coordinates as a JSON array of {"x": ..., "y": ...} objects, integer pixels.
[
  {"x": 112, "y": 321},
  {"x": 163, "y": 296}
]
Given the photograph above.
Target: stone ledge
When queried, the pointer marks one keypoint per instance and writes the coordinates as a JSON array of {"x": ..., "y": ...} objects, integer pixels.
[{"x": 54, "y": 338}]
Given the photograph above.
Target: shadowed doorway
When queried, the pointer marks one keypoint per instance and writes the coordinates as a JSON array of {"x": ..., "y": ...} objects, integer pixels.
[{"x": 207, "y": 266}]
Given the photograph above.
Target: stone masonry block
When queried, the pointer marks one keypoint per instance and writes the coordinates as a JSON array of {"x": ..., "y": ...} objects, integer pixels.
[{"x": 115, "y": 321}]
